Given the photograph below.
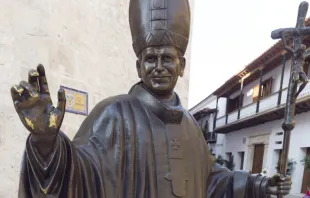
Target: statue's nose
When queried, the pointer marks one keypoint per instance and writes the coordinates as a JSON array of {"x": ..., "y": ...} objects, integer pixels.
[{"x": 159, "y": 65}]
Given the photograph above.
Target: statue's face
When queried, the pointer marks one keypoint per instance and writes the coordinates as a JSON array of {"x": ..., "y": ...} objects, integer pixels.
[{"x": 159, "y": 68}]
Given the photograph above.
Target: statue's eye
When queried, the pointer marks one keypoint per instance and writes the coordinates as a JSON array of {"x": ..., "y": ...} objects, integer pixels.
[
  {"x": 151, "y": 59},
  {"x": 168, "y": 59}
]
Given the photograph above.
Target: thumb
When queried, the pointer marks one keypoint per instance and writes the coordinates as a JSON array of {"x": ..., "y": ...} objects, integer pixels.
[
  {"x": 274, "y": 179},
  {"x": 279, "y": 177},
  {"x": 61, "y": 100}
]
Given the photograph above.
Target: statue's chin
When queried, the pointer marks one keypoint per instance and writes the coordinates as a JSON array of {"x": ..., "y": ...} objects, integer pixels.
[{"x": 161, "y": 88}]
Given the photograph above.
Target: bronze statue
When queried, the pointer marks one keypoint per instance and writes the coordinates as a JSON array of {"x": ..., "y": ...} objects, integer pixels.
[
  {"x": 141, "y": 144},
  {"x": 299, "y": 54}
]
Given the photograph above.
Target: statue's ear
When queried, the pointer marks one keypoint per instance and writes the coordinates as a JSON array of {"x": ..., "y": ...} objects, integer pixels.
[
  {"x": 138, "y": 68},
  {"x": 182, "y": 64}
]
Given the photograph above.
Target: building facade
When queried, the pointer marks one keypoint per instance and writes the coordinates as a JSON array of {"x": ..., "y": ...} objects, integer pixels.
[
  {"x": 84, "y": 45},
  {"x": 248, "y": 110}
]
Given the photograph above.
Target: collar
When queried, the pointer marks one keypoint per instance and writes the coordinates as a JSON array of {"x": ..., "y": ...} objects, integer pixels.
[{"x": 168, "y": 114}]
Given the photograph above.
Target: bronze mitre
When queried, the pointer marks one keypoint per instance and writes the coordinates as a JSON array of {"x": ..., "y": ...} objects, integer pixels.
[{"x": 158, "y": 23}]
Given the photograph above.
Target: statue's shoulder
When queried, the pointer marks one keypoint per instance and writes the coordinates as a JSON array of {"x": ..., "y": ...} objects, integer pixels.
[
  {"x": 113, "y": 101},
  {"x": 107, "y": 109}
]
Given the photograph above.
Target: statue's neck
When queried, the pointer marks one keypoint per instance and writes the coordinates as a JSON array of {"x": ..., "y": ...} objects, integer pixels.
[
  {"x": 168, "y": 109},
  {"x": 169, "y": 99}
]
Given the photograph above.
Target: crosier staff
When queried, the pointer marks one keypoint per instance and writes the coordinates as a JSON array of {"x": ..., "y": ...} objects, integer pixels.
[{"x": 297, "y": 75}]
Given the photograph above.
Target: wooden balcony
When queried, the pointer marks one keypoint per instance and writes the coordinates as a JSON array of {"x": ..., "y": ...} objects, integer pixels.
[
  {"x": 211, "y": 137},
  {"x": 269, "y": 110}
]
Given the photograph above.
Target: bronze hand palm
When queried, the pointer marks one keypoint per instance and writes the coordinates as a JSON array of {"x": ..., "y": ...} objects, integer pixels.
[{"x": 34, "y": 106}]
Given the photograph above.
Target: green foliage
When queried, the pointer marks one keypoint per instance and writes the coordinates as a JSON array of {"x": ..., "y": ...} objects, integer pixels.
[
  {"x": 230, "y": 163},
  {"x": 290, "y": 166},
  {"x": 306, "y": 162},
  {"x": 220, "y": 160},
  {"x": 226, "y": 163}
]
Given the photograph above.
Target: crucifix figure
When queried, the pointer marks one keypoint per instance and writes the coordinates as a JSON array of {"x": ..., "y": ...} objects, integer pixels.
[
  {"x": 142, "y": 144},
  {"x": 299, "y": 53}
]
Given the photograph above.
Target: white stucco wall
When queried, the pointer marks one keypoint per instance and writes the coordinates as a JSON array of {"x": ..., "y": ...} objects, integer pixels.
[
  {"x": 221, "y": 107},
  {"x": 85, "y": 45},
  {"x": 275, "y": 73},
  {"x": 209, "y": 102},
  {"x": 233, "y": 142}
]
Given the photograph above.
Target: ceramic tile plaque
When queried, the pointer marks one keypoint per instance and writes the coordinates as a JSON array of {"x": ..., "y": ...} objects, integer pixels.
[{"x": 77, "y": 101}]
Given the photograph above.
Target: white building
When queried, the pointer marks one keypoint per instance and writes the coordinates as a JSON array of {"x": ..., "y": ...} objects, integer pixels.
[{"x": 247, "y": 125}]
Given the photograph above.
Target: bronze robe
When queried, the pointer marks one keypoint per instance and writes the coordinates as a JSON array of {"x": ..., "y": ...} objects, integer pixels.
[{"x": 133, "y": 146}]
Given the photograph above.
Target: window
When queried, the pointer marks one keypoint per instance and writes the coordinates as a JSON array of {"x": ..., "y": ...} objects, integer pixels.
[
  {"x": 265, "y": 90},
  {"x": 235, "y": 103},
  {"x": 250, "y": 92},
  {"x": 255, "y": 93},
  {"x": 228, "y": 156},
  {"x": 241, "y": 157},
  {"x": 206, "y": 127}
]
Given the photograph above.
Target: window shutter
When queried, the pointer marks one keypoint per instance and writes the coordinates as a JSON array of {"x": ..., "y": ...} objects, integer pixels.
[
  {"x": 255, "y": 93},
  {"x": 268, "y": 87}
]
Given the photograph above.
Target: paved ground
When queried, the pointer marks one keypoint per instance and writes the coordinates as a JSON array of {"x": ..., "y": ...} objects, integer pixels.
[{"x": 291, "y": 196}]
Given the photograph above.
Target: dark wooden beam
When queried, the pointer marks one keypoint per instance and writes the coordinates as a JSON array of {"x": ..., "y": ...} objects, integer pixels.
[
  {"x": 227, "y": 104},
  {"x": 240, "y": 98},
  {"x": 215, "y": 116},
  {"x": 281, "y": 81},
  {"x": 259, "y": 90}
]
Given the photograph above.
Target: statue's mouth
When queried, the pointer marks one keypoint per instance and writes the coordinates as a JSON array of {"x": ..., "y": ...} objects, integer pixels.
[{"x": 161, "y": 79}]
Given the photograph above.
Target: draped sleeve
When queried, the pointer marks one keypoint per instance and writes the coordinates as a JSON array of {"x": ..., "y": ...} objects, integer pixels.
[
  {"x": 224, "y": 183},
  {"x": 99, "y": 162}
]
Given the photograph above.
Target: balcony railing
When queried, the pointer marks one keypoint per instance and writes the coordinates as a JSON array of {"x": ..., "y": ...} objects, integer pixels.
[
  {"x": 211, "y": 137},
  {"x": 265, "y": 104}
]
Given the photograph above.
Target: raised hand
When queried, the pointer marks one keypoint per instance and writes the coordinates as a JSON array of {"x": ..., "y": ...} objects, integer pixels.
[{"x": 34, "y": 106}]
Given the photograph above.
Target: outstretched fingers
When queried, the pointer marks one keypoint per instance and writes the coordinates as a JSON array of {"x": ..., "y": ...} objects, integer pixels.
[
  {"x": 43, "y": 86},
  {"x": 61, "y": 100},
  {"x": 57, "y": 115},
  {"x": 16, "y": 92},
  {"x": 29, "y": 89},
  {"x": 33, "y": 76},
  {"x": 22, "y": 93}
]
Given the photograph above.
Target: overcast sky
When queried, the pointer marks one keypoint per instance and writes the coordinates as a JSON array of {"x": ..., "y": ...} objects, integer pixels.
[{"x": 229, "y": 34}]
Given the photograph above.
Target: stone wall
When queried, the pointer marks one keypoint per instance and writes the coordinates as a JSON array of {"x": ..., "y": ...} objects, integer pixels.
[{"x": 85, "y": 45}]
